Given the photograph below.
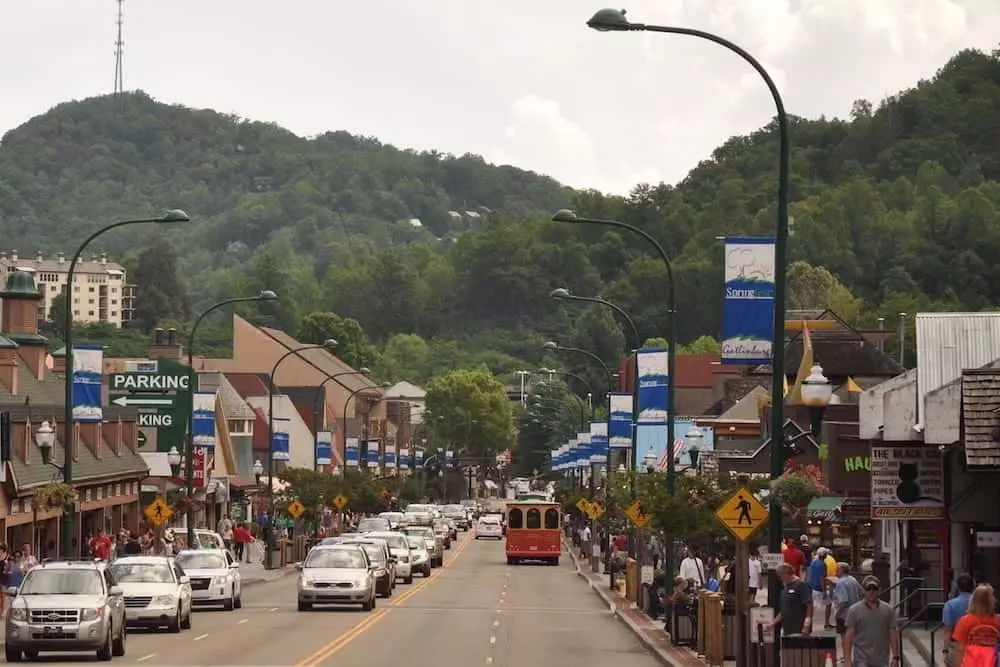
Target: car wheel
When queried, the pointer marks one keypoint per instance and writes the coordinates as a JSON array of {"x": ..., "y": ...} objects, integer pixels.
[
  {"x": 370, "y": 605},
  {"x": 477, "y": 537},
  {"x": 239, "y": 601},
  {"x": 408, "y": 580},
  {"x": 175, "y": 624},
  {"x": 118, "y": 646},
  {"x": 186, "y": 621},
  {"x": 230, "y": 604},
  {"x": 427, "y": 571},
  {"x": 12, "y": 654},
  {"x": 105, "y": 653},
  {"x": 304, "y": 606}
]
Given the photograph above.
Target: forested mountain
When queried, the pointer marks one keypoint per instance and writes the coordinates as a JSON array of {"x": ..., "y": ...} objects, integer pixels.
[{"x": 900, "y": 204}]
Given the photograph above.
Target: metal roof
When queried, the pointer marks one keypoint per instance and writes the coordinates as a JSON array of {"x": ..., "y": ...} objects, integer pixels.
[{"x": 947, "y": 344}]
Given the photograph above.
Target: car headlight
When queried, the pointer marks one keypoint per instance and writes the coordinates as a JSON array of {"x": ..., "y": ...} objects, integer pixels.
[
  {"x": 218, "y": 581},
  {"x": 165, "y": 600},
  {"x": 18, "y": 614},
  {"x": 91, "y": 614},
  {"x": 304, "y": 583}
]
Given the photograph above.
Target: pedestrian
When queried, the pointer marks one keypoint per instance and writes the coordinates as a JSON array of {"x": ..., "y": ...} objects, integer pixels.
[
  {"x": 977, "y": 633},
  {"x": 846, "y": 591},
  {"x": 954, "y": 610},
  {"x": 871, "y": 638},
  {"x": 225, "y": 529},
  {"x": 795, "y": 557},
  {"x": 241, "y": 539},
  {"x": 692, "y": 567},
  {"x": 816, "y": 576},
  {"x": 756, "y": 572},
  {"x": 795, "y": 614}
]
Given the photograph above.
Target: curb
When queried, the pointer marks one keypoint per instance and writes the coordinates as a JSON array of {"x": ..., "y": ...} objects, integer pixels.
[
  {"x": 656, "y": 652},
  {"x": 284, "y": 572}
]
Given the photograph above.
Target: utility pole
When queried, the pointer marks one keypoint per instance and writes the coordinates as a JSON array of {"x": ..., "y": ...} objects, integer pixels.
[{"x": 119, "y": 50}]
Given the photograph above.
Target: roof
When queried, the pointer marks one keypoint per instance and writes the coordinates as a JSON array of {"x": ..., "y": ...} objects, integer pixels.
[
  {"x": 48, "y": 392},
  {"x": 87, "y": 468},
  {"x": 247, "y": 384},
  {"x": 55, "y": 266},
  {"x": 746, "y": 409},
  {"x": 303, "y": 399},
  {"x": 20, "y": 285},
  {"x": 981, "y": 416},
  {"x": 405, "y": 389},
  {"x": 233, "y": 404},
  {"x": 326, "y": 362}
]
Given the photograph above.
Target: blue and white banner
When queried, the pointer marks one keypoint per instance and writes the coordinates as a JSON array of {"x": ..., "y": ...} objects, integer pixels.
[
  {"x": 449, "y": 458},
  {"x": 654, "y": 378},
  {"x": 203, "y": 419},
  {"x": 324, "y": 448},
  {"x": 389, "y": 457},
  {"x": 583, "y": 442},
  {"x": 373, "y": 453},
  {"x": 88, "y": 378},
  {"x": 280, "y": 444},
  {"x": 352, "y": 452},
  {"x": 748, "y": 301},
  {"x": 599, "y": 442},
  {"x": 418, "y": 458},
  {"x": 620, "y": 421},
  {"x": 404, "y": 458}
]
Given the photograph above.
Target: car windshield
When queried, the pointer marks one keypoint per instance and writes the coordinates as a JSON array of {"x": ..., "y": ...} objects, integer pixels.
[
  {"x": 372, "y": 524},
  {"x": 336, "y": 558},
  {"x": 490, "y": 519},
  {"x": 420, "y": 532},
  {"x": 390, "y": 516},
  {"x": 375, "y": 553},
  {"x": 394, "y": 540},
  {"x": 416, "y": 542},
  {"x": 201, "y": 561},
  {"x": 62, "y": 582},
  {"x": 207, "y": 541},
  {"x": 142, "y": 573},
  {"x": 421, "y": 509}
]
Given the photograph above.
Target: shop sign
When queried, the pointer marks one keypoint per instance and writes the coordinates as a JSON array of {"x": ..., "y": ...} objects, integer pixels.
[{"x": 907, "y": 483}]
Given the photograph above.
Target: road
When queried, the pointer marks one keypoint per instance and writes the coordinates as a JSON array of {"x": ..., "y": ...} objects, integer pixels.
[{"x": 477, "y": 610}]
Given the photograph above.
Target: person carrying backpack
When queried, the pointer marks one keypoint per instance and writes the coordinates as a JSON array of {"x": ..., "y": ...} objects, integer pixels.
[{"x": 977, "y": 634}]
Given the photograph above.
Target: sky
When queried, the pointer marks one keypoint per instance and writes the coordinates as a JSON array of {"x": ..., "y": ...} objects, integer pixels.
[{"x": 521, "y": 82}]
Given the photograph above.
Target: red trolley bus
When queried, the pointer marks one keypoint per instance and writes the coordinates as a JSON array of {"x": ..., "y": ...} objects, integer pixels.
[{"x": 533, "y": 532}]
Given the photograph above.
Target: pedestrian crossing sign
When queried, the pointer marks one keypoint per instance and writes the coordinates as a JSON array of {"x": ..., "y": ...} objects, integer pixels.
[
  {"x": 742, "y": 514},
  {"x": 339, "y": 502},
  {"x": 595, "y": 511},
  {"x": 295, "y": 509},
  {"x": 583, "y": 505},
  {"x": 637, "y": 514},
  {"x": 158, "y": 512}
]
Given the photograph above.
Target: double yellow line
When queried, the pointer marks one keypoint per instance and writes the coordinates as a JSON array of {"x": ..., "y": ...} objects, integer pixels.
[{"x": 346, "y": 638}]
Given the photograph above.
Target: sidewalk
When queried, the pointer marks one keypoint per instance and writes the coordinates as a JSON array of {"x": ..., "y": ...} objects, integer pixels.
[{"x": 254, "y": 573}]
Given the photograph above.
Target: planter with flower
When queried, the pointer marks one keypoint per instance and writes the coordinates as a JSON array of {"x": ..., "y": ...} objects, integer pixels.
[
  {"x": 185, "y": 504},
  {"x": 53, "y": 496},
  {"x": 797, "y": 487}
]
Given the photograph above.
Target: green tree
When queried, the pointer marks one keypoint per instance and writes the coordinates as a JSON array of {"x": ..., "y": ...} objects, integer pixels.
[
  {"x": 551, "y": 416},
  {"x": 352, "y": 343},
  {"x": 405, "y": 357},
  {"x": 160, "y": 292},
  {"x": 468, "y": 410}
]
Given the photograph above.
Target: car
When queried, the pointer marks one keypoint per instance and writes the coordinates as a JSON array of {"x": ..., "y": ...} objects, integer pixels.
[
  {"x": 459, "y": 514},
  {"x": 66, "y": 606},
  {"x": 157, "y": 592},
  {"x": 419, "y": 515},
  {"x": 204, "y": 539},
  {"x": 433, "y": 542},
  {"x": 395, "y": 519},
  {"x": 336, "y": 574},
  {"x": 215, "y": 577},
  {"x": 452, "y": 527},
  {"x": 400, "y": 550},
  {"x": 419, "y": 556},
  {"x": 373, "y": 524},
  {"x": 383, "y": 562},
  {"x": 489, "y": 527},
  {"x": 443, "y": 530}
]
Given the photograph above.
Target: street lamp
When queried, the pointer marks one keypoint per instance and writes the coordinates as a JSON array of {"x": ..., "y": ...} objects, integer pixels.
[
  {"x": 328, "y": 344},
  {"x": 649, "y": 461},
  {"x": 265, "y": 295},
  {"x": 174, "y": 460},
  {"x": 364, "y": 370},
  {"x": 694, "y": 438},
  {"x": 590, "y": 391},
  {"x": 69, "y": 513},
  {"x": 258, "y": 470},
  {"x": 817, "y": 394},
  {"x": 364, "y": 435},
  {"x": 615, "y": 20},
  {"x": 45, "y": 438}
]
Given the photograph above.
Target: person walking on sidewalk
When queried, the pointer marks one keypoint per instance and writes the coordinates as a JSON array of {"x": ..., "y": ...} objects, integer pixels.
[
  {"x": 846, "y": 591},
  {"x": 954, "y": 610},
  {"x": 977, "y": 634},
  {"x": 872, "y": 636},
  {"x": 795, "y": 615}
]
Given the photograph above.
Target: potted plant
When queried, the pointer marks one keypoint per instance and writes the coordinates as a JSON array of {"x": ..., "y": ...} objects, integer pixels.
[
  {"x": 185, "y": 504},
  {"x": 797, "y": 487},
  {"x": 52, "y": 496}
]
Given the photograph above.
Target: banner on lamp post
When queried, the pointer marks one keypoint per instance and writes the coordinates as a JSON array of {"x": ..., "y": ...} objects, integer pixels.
[
  {"x": 88, "y": 380},
  {"x": 620, "y": 421},
  {"x": 748, "y": 301},
  {"x": 324, "y": 448},
  {"x": 352, "y": 452},
  {"x": 654, "y": 378}
]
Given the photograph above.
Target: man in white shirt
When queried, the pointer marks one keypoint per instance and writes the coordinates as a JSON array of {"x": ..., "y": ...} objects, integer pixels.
[
  {"x": 755, "y": 570},
  {"x": 693, "y": 568}
]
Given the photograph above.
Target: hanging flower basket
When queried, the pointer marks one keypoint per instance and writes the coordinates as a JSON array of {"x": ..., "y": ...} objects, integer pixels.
[
  {"x": 53, "y": 496},
  {"x": 794, "y": 491},
  {"x": 185, "y": 504}
]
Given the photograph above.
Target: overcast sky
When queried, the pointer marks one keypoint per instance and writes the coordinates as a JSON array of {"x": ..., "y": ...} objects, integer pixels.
[{"x": 522, "y": 82}]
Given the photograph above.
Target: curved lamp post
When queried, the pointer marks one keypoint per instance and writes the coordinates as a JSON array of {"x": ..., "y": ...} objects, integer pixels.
[
  {"x": 695, "y": 439},
  {"x": 552, "y": 345},
  {"x": 581, "y": 380},
  {"x": 364, "y": 434},
  {"x": 615, "y": 20},
  {"x": 266, "y": 295},
  {"x": 69, "y": 513},
  {"x": 364, "y": 370},
  {"x": 328, "y": 344}
]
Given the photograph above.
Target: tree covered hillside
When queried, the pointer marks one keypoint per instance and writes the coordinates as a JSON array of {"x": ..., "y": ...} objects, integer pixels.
[{"x": 896, "y": 209}]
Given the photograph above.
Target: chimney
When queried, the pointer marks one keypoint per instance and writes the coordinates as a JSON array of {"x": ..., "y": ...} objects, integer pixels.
[
  {"x": 159, "y": 336},
  {"x": 166, "y": 345},
  {"x": 104, "y": 258},
  {"x": 19, "y": 439},
  {"x": 90, "y": 433},
  {"x": 171, "y": 336},
  {"x": 59, "y": 363},
  {"x": 39, "y": 256},
  {"x": 113, "y": 436},
  {"x": 61, "y": 258}
]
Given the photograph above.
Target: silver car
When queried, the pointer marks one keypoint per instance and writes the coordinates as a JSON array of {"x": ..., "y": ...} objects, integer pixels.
[
  {"x": 400, "y": 550},
  {"x": 337, "y": 574},
  {"x": 157, "y": 592},
  {"x": 434, "y": 543},
  {"x": 215, "y": 577},
  {"x": 68, "y": 607},
  {"x": 420, "y": 558}
]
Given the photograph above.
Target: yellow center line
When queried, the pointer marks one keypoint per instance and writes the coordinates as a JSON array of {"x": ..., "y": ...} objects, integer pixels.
[{"x": 353, "y": 633}]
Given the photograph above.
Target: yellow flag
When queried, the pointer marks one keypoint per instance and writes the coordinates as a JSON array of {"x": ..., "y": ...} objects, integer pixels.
[
  {"x": 853, "y": 386},
  {"x": 784, "y": 379},
  {"x": 805, "y": 367}
]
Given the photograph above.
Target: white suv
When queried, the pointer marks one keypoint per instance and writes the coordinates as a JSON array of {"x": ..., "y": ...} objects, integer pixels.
[{"x": 489, "y": 526}]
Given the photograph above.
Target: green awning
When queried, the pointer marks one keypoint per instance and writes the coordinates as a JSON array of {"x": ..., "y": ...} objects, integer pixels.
[{"x": 825, "y": 504}]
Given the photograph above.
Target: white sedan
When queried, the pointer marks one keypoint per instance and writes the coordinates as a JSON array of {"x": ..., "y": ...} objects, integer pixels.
[
  {"x": 489, "y": 527},
  {"x": 215, "y": 577}
]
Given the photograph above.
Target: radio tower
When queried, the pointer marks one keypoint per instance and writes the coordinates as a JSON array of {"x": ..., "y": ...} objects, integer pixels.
[{"x": 119, "y": 47}]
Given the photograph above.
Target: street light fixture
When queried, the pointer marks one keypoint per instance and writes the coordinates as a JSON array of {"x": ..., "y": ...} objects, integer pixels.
[
  {"x": 69, "y": 513},
  {"x": 174, "y": 460},
  {"x": 258, "y": 470},
  {"x": 695, "y": 439},
  {"x": 364, "y": 370},
  {"x": 649, "y": 460},
  {"x": 265, "y": 295},
  {"x": 615, "y": 20},
  {"x": 45, "y": 438},
  {"x": 817, "y": 394}
]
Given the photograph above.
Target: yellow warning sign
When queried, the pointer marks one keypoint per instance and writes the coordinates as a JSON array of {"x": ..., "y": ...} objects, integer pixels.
[
  {"x": 295, "y": 508},
  {"x": 596, "y": 511},
  {"x": 742, "y": 514},
  {"x": 339, "y": 502},
  {"x": 158, "y": 512},
  {"x": 637, "y": 514},
  {"x": 583, "y": 505}
]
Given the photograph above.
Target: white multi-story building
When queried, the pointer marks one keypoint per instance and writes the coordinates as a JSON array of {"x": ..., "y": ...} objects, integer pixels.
[{"x": 101, "y": 292}]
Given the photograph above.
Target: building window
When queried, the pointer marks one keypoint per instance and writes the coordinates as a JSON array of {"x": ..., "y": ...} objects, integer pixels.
[
  {"x": 90, "y": 301},
  {"x": 114, "y": 313},
  {"x": 114, "y": 302},
  {"x": 90, "y": 312},
  {"x": 76, "y": 313},
  {"x": 90, "y": 289}
]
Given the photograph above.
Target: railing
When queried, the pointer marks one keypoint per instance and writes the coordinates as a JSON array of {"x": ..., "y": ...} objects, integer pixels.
[
  {"x": 921, "y": 617},
  {"x": 933, "y": 655}
]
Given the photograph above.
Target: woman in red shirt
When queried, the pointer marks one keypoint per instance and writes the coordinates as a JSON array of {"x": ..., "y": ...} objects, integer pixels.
[{"x": 977, "y": 633}]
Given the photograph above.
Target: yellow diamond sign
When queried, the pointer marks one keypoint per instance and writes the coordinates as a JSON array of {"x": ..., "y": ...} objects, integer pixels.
[
  {"x": 339, "y": 502},
  {"x": 637, "y": 514},
  {"x": 596, "y": 511},
  {"x": 295, "y": 508},
  {"x": 158, "y": 512},
  {"x": 742, "y": 514},
  {"x": 583, "y": 505}
]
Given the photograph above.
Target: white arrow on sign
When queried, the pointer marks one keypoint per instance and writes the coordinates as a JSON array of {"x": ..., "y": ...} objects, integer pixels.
[{"x": 126, "y": 401}]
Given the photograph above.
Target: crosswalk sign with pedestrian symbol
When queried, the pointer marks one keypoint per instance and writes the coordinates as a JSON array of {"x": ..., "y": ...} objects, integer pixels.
[
  {"x": 295, "y": 508},
  {"x": 742, "y": 514},
  {"x": 158, "y": 512},
  {"x": 339, "y": 502},
  {"x": 637, "y": 514}
]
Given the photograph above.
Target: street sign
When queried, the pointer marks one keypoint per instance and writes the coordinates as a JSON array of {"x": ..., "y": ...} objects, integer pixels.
[
  {"x": 141, "y": 439},
  {"x": 158, "y": 512},
  {"x": 295, "y": 508},
  {"x": 159, "y": 390},
  {"x": 596, "y": 511},
  {"x": 583, "y": 505},
  {"x": 637, "y": 514},
  {"x": 771, "y": 561},
  {"x": 339, "y": 502},
  {"x": 742, "y": 514}
]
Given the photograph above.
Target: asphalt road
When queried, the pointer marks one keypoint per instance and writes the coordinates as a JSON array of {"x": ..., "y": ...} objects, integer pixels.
[{"x": 477, "y": 610}]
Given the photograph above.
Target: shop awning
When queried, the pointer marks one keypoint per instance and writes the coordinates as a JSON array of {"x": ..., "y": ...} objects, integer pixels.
[{"x": 825, "y": 507}]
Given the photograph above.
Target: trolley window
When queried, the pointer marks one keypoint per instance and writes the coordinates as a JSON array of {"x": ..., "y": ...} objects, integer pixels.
[
  {"x": 551, "y": 519},
  {"x": 534, "y": 518},
  {"x": 516, "y": 519}
]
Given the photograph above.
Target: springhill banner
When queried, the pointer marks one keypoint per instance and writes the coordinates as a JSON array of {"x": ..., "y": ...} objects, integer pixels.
[
  {"x": 203, "y": 419},
  {"x": 748, "y": 301},
  {"x": 280, "y": 445},
  {"x": 324, "y": 448},
  {"x": 654, "y": 373},
  {"x": 352, "y": 452},
  {"x": 404, "y": 458},
  {"x": 389, "y": 457},
  {"x": 373, "y": 453},
  {"x": 88, "y": 377},
  {"x": 620, "y": 421},
  {"x": 599, "y": 442}
]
